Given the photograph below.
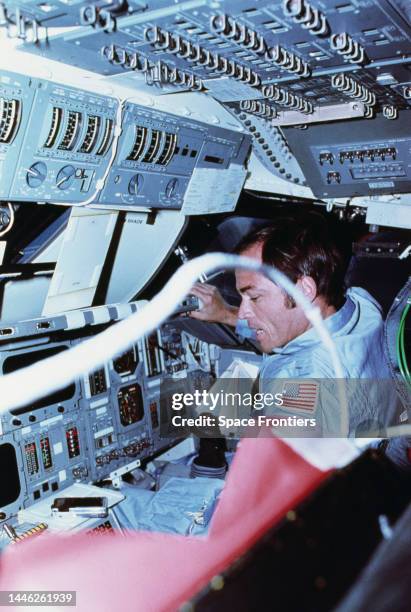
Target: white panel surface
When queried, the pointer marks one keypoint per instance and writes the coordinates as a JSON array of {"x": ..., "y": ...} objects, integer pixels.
[
  {"x": 142, "y": 250},
  {"x": 80, "y": 261}
]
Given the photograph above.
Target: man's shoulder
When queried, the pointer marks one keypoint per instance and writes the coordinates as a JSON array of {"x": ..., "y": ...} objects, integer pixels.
[
  {"x": 313, "y": 362},
  {"x": 367, "y": 310}
]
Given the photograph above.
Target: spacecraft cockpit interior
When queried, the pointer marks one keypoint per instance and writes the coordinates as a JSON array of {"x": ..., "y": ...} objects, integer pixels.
[{"x": 141, "y": 141}]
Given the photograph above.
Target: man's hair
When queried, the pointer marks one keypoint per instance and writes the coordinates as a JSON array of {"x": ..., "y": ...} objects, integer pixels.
[{"x": 304, "y": 244}]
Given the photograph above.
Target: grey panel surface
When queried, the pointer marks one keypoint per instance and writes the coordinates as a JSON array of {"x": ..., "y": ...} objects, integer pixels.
[{"x": 23, "y": 299}]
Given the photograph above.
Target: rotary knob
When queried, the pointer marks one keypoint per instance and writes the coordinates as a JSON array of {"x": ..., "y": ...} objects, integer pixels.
[
  {"x": 36, "y": 174},
  {"x": 171, "y": 188},
  {"x": 135, "y": 185},
  {"x": 65, "y": 177}
]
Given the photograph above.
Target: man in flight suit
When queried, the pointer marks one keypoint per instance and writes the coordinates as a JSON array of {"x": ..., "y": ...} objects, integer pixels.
[{"x": 305, "y": 249}]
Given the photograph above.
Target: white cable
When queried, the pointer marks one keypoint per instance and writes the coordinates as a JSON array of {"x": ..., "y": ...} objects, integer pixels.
[
  {"x": 118, "y": 128},
  {"x": 11, "y": 222},
  {"x": 41, "y": 378},
  {"x": 406, "y": 253}
]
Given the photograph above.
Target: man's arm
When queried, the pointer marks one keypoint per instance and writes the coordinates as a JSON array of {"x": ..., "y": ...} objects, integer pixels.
[{"x": 213, "y": 306}]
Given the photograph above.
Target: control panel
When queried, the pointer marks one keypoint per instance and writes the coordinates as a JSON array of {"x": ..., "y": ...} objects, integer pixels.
[
  {"x": 16, "y": 99},
  {"x": 77, "y": 147},
  {"x": 127, "y": 402},
  {"x": 66, "y": 148},
  {"x": 107, "y": 420},
  {"x": 236, "y": 49},
  {"x": 117, "y": 427},
  {"x": 46, "y": 409},
  {"x": 84, "y": 432},
  {"x": 271, "y": 64},
  {"x": 376, "y": 161},
  {"x": 157, "y": 154},
  {"x": 54, "y": 455},
  {"x": 41, "y": 459}
]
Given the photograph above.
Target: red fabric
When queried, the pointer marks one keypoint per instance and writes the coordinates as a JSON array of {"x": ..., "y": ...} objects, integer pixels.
[{"x": 156, "y": 572}]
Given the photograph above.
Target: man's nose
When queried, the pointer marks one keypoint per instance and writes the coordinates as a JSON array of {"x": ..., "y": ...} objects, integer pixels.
[{"x": 244, "y": 310}]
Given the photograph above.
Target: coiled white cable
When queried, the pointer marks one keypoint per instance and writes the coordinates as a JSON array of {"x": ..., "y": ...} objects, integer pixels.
[
  {"x": 118, "y": 128},
  {"x": 28, "y": 384},
  {"x": 11, "y": 222}
]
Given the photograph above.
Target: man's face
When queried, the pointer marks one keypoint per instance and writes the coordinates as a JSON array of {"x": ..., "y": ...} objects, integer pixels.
[{"x": 264, "y": 306}]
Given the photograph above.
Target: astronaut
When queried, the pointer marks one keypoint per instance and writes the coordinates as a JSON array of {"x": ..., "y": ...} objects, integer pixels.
[{"x": 305, "y": 248}]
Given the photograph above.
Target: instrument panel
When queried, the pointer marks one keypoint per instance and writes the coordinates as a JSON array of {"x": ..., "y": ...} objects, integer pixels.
[
  {"x": 16, "y": 100},
  {"x": 98, "y": 424},
  {"x": 64, "y": 155},
  {"x": 70, "y": 146},
  {"x": 157, "y": 154},
  {"x": 272, "y": 65},
  {"x": 234, "y": 49},
  {"x": 375, "y": 159}
]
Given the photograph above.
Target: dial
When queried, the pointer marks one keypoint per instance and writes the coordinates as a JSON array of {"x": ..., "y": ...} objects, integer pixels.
[
  {"x": 171, "y": 187},
  {"x": 36, "y": 174},
  {"x": 65, "y": 177},
  {"x": 136, "y": 184}
]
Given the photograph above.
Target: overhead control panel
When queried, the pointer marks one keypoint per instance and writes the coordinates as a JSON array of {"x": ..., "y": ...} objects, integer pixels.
[
  {"x": 157, "y": 154},
  {"x": 355, "y": 159},
  {"x": 295, "y": 62},
  {"x": 66, "y": 149},
  {"x": 236, "y": 49},
  {"x": 26, "y": 16}
]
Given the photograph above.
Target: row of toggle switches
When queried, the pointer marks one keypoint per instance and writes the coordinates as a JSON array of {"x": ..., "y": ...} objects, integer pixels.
[{"x": 326, "y": 157}]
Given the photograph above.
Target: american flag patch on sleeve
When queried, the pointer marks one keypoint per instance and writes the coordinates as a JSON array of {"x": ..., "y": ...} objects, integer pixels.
[{"x": 300, "y": 396}]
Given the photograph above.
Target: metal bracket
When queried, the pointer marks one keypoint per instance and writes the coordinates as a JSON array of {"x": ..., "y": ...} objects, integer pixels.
[
  {"x": 116, "y": 475},
  {"x": 321, "y": 114}
]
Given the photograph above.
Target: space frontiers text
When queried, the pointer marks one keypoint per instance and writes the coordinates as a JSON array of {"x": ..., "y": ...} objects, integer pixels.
[{"x": 201, "y": 404}]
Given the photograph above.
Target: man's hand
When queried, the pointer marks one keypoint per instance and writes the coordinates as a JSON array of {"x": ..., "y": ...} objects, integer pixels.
[{"x": 213, "y": 306}]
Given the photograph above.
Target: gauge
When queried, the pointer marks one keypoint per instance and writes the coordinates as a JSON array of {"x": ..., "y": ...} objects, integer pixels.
[
  {"x": 92, "y": 133},
  {"x": 36, "y": 174},
  {"x": 56, "y": 122},
  {"x": 136, "y": 184},
  {"x": 139, "y": 143},
  {"x": 65, "y": 177},
  {"x": 10, "y": 114},
  {"x": 72, "y": 130}
]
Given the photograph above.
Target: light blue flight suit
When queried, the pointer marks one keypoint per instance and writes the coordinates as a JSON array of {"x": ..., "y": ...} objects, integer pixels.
[{"x": 357, "y": 330}]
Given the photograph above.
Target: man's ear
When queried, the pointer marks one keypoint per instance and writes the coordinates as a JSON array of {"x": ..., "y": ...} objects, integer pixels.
[{"x": 308, "y": 286}]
